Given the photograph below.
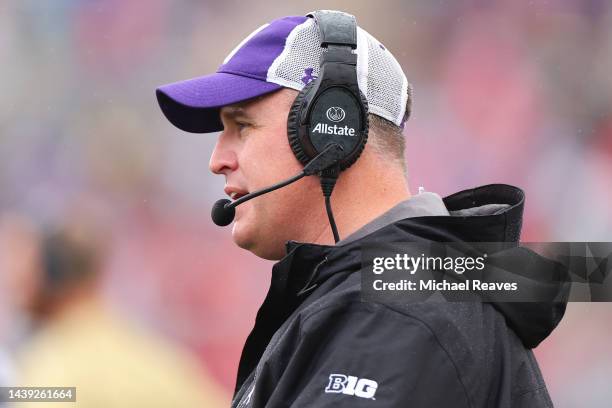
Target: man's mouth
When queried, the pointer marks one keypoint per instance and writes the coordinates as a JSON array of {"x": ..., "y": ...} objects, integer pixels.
[
  {"x": 236, "y": 196},
  {"x": 235, "y": 193}
]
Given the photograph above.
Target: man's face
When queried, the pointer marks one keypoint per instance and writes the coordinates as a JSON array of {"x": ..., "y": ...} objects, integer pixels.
[{"x": 252, "y": 153}]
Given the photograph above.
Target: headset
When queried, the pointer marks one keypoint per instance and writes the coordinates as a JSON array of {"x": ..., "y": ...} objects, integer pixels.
[
  {"x": 327, "y": 125},
  {"x": 331, "y": 108}
]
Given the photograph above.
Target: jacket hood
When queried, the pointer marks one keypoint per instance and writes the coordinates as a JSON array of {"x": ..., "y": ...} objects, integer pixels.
[{"x": 491, "y": 213}]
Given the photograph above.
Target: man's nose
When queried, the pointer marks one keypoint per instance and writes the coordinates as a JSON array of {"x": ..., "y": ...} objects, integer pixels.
[{"x": 223, "y": 158}]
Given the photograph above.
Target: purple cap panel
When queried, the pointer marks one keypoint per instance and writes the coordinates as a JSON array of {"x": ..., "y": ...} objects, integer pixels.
[
  {"x": 193, "y": 105},
  {"x": 256, "y": 56}
]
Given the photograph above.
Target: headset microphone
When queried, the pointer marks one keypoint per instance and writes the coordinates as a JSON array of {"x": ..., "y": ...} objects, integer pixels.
[{"x": 224, "y": 210}]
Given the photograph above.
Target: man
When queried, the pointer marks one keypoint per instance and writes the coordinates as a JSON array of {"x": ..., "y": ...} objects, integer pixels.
[
  {"x": 77, "y": 340},
  {"x": 316, "y": 341}
]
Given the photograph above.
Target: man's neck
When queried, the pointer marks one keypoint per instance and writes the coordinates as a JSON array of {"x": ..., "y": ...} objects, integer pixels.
[{"x": 354, "y": 208}]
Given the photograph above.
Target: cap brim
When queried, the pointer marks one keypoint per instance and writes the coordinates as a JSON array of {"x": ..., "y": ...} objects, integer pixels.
[{"x": 193, "y": 105}]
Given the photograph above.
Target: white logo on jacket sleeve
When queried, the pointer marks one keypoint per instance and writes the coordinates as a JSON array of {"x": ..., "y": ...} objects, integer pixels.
[{"x": 350, "y": 385}]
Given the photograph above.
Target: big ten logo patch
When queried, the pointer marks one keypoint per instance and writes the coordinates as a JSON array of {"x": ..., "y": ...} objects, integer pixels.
[{"x": 351, "y": 385}]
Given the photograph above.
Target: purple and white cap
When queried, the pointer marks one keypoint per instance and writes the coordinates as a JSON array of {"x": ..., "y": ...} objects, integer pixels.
[{"x": 282, "y": 53}]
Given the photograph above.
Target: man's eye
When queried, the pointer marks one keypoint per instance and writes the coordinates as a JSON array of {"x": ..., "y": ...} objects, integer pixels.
[{"x": 242, "y": 125}]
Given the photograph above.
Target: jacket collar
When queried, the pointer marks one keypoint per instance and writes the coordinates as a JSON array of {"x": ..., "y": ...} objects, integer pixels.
[{"x": 306, "y": 265}]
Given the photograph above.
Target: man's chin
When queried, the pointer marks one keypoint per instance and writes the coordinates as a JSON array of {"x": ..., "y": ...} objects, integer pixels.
[
  {"x": 247, "y": 238},
  {"x": 241, "y": 237},
  {"x": 242, "y": 230}
]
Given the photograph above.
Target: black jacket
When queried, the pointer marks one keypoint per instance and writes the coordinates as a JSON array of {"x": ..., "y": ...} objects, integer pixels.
[{"x": 316, "y": 343}]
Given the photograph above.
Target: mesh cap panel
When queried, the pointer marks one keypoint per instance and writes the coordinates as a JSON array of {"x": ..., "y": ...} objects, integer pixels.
[{"x": 380, "y": 76}]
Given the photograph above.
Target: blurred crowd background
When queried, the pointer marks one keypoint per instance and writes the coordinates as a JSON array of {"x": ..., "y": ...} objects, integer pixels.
[{"x": 509, "y": 91}]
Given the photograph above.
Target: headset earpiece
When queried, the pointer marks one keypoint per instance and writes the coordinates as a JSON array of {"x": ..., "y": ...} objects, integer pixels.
[
  {"x": 331, "y": 108},
  {"x": 332, "y": 116},
  {"x": 335, "y": 117},
  {"x": 302, "y": 150}
]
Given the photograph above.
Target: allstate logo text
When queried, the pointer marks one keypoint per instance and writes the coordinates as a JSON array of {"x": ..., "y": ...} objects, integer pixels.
[{"x": 334, "y": 114}]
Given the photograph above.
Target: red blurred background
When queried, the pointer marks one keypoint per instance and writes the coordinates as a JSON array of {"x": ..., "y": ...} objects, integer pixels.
[{"x": 504, "y": 91}]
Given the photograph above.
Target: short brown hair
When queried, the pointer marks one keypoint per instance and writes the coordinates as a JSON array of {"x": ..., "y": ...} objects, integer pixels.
[{"x": 387, "y": 138}]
